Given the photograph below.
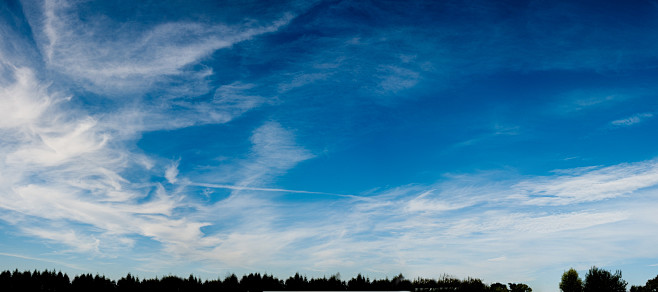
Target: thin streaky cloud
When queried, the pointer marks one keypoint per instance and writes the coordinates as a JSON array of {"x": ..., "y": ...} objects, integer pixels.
[
  {"x": 588, "y": 185},
  {"x": 62, "y": 263},
  {"x": 632, "y": 120},
  {"x": 132, "y": 60},
  {"x": 240, "y": 188}
]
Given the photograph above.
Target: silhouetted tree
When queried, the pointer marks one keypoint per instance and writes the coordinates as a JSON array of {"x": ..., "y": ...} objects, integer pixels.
[
  {"x": 62, "y": 282},
  {"x": 651, "y": 286},
  {"x": 297, "y": 282},
  {"x": 401, "y": 283},
  {"x": 170, "y": 284},
  {"x": 448, "y": 283},
  {"x": 519, "y": 287},
  {"x": 382, "y": 284},
  {"x": 231, "y": 283},
  {"x": 358, "y": 283},
  {"x": 472, "y": 285},
  {"x": 498, "y": 287},
  {"x": 5, "y": 281},
  {"x": 128, "y": 284},
  {"x": 256, "y": 282},
  {"x": 571, "y": 282},
  {"x": 87, "y": 282},
  {"x": 212, "y": 286},
  {"x": 600, "y": 280},
  {"x": 333, "y": 283}
]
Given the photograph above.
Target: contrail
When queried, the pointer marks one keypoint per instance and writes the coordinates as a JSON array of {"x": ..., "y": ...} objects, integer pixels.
[
  {"x": 42, "y": 260},
  {"x": 241, "y": 188}
]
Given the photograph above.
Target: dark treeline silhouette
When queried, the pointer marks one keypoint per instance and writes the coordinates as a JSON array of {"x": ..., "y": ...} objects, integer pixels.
[
  {"x": 600, "y": 280},
  {"x": 52, "y": 281},
  {"x": 650, "y": 286}
]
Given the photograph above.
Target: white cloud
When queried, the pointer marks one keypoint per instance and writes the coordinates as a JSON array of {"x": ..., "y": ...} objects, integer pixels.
[
  {"x": 461, "y": 222},
  {"x": 24, "y": 101},
  {"x": 496, "y": 129},
  {"x": 462, "y": 241},
  {"x": 274, "y": 151},
  {"x": 632, "y": 120},
  {"x": 65, "y": 168},
  {"x": 82, "y": 244},
  {"x": 131, "y": 59},
  {"x": 576, "y": 101},
  {"x": 424, "y": 203},
  {"x": 55, "y": 145},
  {"x": 411, "y": 229},
  {"x": 302, "y": 80},
  {"x": 395, "y": 79},
  {"x": 228, "y": 102},
  {"x": 26, "y": 257},
  {"x": 171, "y": 172},
  {"x": 61, "y": 167},
  {"x": 244, "y": 188},
  {"x": 588, "y": 185}
]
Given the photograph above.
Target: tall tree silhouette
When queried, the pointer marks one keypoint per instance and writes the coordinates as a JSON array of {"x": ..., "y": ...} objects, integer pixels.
[
  {"x": 600, "y": 280},
  {"x": 571, "y": 282},
  {"x": 128, "y": 284}
]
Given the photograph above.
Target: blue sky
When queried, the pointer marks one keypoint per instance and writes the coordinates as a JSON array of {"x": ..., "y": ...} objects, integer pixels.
[{"x": 504, "y": 140}]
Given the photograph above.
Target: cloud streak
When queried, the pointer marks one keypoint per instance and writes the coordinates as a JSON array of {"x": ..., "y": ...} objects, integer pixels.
[
  {"x": 87, "y": 52},
  {"x": 594, "y": 184},
  {"x": 242, "y": 188},
  {"x": 632, "y": 120}
]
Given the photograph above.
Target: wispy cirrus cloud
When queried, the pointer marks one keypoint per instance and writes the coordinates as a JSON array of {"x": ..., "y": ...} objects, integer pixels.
[
  {"x": 632, "y": 120},
  {"x": 471, "y": 220},
  {"x": 395, "y": 79},
  {"x": 109, "y": 58},
  {"x": 67, "y": 172},
  {"x": 70, "y": 159},
  {"x": 593, "y": 184},
  {"x": 273, "y": 152},
  {"x": 413, "y": 228},
  {"x": 579, "y": 101},
  {"x": 64, "y": 167},
  {"x": 385, "y": 233}
]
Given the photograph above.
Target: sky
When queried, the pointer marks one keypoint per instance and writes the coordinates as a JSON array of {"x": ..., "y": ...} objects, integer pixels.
[{"x": 502, "y": 140}]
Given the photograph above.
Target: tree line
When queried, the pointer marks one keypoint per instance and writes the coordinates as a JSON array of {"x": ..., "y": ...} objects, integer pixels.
[
  {"x": 600, "y": 280},
  {"x": 52, "y": 281}
]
